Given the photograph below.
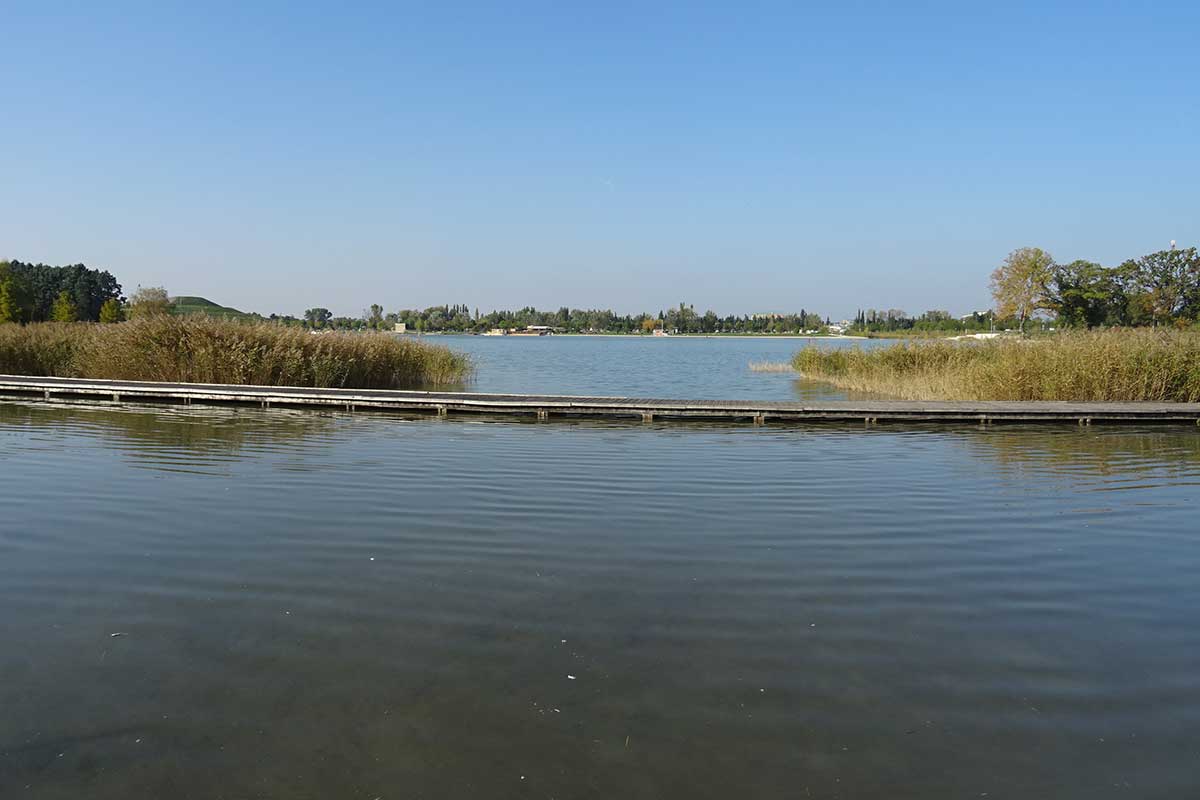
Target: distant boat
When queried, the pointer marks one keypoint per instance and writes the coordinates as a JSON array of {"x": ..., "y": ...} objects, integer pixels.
[{"x": 660, "y": 332}]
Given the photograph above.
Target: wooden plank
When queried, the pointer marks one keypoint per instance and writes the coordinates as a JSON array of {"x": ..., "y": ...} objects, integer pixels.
[{"x": 625, "y": 407}]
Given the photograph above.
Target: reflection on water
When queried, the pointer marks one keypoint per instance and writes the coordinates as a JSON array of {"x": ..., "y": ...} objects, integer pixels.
[
  {"x": 198, "y": 429},
  {"x": 819, "y": 391},
  {"x": 190, "y": 438},
  {"x": 341, "y": 605},
  {"x": 1092, "y": 454}
]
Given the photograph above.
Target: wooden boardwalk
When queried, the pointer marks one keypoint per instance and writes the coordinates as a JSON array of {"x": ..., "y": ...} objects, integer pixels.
[{"x": 638, "y": 408}]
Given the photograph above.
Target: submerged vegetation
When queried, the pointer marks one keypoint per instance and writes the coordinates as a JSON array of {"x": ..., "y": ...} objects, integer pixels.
[
  {"x": 1110, "y": 365},
  {"x": 203, "y": 350}
]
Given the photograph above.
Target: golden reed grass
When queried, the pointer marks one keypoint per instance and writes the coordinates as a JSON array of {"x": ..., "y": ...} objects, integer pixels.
[
  {"x": 202, "y": 350},
  {"x": 771, "y": 366},
  {"x": 1120, "y": 365}
]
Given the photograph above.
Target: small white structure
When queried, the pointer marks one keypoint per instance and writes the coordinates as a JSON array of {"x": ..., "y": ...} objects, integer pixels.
[{"x": 400, "y": 327}]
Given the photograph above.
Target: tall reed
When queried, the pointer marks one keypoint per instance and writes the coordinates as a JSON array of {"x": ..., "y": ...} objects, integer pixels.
[
  {"x": 45, "y": 348},
  {"x": 204, "y": 350},
  {"x": 1114, "y": 365}
]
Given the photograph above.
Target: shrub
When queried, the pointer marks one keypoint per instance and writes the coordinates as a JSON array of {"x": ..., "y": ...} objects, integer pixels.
[{"x": 203, "y": 350}]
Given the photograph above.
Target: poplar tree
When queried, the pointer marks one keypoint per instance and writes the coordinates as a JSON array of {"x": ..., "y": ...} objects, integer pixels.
[
  {"x": 63, "y": 309},
  {"x": 111, "y": 311}
]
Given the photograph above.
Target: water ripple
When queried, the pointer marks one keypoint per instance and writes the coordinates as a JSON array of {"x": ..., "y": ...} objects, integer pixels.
[{"x": 336, "y": 605}]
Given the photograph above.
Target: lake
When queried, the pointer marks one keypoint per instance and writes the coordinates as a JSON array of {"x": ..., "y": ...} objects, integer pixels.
[
  {"x": 680, "y": 367},
  {"x": 212, "y": 602}
]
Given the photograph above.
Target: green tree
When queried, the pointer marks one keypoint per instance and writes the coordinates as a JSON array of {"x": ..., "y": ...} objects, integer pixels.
[
  {"x": 41, "y": 285},
  {"x": 1020, "y": 284},
  {"x": 1084, "y": 294},
  {"x": 14, "y": 295},
  {"x": 10, "y": 304},
  {"x": 149, "y": 301},
  {"x": 1165, "y": 285},
  {"x": 318, "y": 317},
  {"x": 64, "y": 309},
  {"x": 111, "y": 311}
]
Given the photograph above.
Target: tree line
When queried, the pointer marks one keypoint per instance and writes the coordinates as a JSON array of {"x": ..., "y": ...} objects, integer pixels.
[
  {"x": 895, "y": 320},
  {"x": 73, "y": 293},
  {"x": 39, "y": 293},
  {"x": 1160, "y": 288},
  {"x": 462, "y": 319}
]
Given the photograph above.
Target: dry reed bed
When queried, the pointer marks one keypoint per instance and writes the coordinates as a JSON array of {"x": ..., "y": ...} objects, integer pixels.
[
  {"x": 203, "y": 350},
  {"x": 1119, "y": 365},
  {"x": 771, "y": 366}
]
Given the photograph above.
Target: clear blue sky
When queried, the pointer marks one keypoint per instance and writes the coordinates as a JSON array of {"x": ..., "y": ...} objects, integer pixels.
[{"x": 744, "y": 156}]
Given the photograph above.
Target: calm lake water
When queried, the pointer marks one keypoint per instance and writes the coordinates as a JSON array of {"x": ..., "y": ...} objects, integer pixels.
[
  {"x": 221, "y": 603},
  {"x": 693, "y": 368}
]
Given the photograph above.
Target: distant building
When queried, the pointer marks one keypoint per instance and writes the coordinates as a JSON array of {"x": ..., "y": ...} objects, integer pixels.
[{"x": 400, "y": 327}]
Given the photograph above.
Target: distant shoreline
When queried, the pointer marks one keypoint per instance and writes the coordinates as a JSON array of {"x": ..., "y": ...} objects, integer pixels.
[{"x": 645, "y": 336}]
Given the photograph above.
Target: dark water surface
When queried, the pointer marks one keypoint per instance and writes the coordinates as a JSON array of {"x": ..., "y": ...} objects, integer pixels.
[{"x": 337, "y": 606}]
